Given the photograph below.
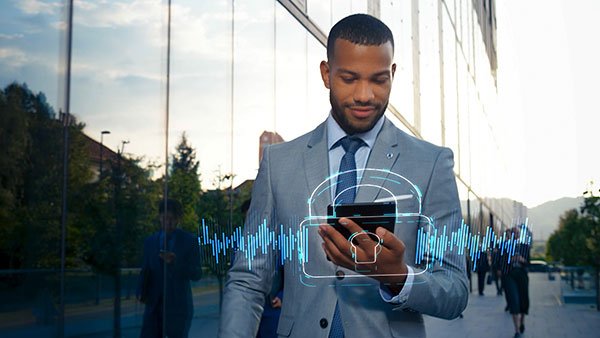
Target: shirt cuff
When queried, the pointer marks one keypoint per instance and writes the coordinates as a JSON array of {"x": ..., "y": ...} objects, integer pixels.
[{"x": 402, "y": 297}]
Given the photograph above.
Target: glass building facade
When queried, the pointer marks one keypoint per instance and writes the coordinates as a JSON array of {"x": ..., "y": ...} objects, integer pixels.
[{"x": 147, "y": 75}]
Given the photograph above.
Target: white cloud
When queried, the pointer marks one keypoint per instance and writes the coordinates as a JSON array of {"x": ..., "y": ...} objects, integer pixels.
[
  {"x": 190, "y": 33},
  {"x": 101, "y": 73},
  {"x": 204, "y": 34},
  {"x": 13, "y": 57},
  {"x": 59, "y": 25},
  {"x": 104, "y": 14},
  {"x": 207, "y": 35},
  {"x": 34, "y": 7},
  {"x": 11, "y": 36},
  {"x": 85, "y": 5}
]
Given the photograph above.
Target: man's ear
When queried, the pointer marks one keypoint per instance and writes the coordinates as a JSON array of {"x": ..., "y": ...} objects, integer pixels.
[
  {"x": 325, "y": 73},
  {"x": 393, "y": 70}
]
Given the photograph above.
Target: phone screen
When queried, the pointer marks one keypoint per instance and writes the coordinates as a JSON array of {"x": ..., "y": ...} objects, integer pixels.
[{"x": 368, "y": 216}]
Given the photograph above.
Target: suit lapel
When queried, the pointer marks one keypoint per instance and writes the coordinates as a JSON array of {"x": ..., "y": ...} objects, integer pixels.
[
  {"x": 316, "y": 163},
  {"x": 384, "y": 155}
]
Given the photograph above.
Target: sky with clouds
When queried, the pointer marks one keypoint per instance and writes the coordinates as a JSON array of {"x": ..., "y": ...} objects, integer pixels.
[
  {"x": 547, "y": 79},
  {"x": 548, "y": 71}
]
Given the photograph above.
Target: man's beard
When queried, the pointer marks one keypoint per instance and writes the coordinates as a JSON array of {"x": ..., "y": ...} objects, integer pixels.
[{"x": 338, "y": 112}]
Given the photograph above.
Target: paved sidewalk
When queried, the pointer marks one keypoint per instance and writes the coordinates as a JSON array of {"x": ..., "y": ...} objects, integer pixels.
[
  {"x": 548, "y": 316},
  {"x": 484, "y": 317}
]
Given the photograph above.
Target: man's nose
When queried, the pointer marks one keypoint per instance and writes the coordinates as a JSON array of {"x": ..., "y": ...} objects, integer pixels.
[{"x": 363, "y": 93}]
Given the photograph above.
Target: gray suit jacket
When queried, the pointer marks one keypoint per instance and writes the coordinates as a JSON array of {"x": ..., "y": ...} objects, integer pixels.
[{"x": 287, "y": 176}]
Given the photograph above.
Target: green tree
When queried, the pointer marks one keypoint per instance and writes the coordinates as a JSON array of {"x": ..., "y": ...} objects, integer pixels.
[
  {"x": 107, "y": 219},
  {"x": 591, "y": 222},
  {"x": 14, "y": 138},
  {"x": 576, "y": 242},
  {"x": 121, "y": 212},
  {"x": 31, "y": 178},
  {"x": 184, "y": 184},
  {"x": 564, "y": 244}
]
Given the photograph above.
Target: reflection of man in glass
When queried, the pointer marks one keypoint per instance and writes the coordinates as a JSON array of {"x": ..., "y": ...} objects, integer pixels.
[
  {"x": 178, "y": 251},
  {"x": 356, "y": 135}
]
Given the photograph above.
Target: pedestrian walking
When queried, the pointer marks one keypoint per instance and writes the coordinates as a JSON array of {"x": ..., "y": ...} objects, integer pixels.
[{"x": 515, "y": 279}]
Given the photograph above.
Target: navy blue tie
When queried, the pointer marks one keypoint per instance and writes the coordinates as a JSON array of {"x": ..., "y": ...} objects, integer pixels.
[
  {"x": 346, "y": 183},
  {"x": 345, "y": 192}
]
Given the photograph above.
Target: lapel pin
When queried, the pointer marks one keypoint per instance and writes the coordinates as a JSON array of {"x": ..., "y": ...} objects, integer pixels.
[{"x": 390, "y": 155}]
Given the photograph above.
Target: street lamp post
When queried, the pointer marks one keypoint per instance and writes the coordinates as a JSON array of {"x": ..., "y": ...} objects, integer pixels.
[
  {"x": 102, "y": 148},
  {"x": 102, "y": 133},
  {"x": 117, "y": 302},
  {"x": 123, "y": 143}
]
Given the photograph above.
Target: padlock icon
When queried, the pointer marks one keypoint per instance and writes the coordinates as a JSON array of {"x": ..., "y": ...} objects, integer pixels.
[{"x": 374, "y": 185}]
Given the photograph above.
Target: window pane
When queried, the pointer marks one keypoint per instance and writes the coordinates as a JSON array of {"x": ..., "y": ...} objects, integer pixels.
[
  {"x": 254, "y": 104},
  {"x": 431, "y": 123},
  {"x": 120, "y": 97},
  {"x": 201, "y": 99},
  {"x": 397, "y": 15},
  {"x": 319, "y": 11},
  {"x": 31, "y": 166},
  {"x": 450, "y": 91},
  {"x": 291, "y": 107}
]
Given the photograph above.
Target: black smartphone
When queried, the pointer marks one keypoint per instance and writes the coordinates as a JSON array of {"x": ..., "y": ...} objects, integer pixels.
[{"x": 368, "y": 216}]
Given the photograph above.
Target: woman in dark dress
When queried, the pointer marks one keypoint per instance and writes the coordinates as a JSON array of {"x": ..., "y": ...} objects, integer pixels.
[{"x": 514, "y": 277}]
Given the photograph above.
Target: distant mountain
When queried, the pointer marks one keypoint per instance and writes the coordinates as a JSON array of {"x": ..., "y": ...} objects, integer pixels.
[{"x": 544, "y": 217}]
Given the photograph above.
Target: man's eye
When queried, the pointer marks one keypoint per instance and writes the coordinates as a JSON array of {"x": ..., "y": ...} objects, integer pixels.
[
  {"x": 348, "y": 79},
  {"x": 381, "y": 80}
]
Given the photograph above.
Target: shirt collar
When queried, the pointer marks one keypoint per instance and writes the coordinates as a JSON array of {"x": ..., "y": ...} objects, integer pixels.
[{"x": 335, "y": 132}]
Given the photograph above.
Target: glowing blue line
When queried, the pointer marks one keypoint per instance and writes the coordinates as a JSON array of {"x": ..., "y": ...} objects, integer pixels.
[
  {"x": 418, "y": 190},
  {"x": 311, "y": 286},
  {"x": 418, "y": 245},
  {"x": 444, "y": 248},
  {"x": 331, "y": 185}
]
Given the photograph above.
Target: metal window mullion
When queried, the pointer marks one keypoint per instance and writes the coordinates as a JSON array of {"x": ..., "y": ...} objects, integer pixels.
[
  {"x": 305, "y": 21},
  {"x": 416, "y": 65}
]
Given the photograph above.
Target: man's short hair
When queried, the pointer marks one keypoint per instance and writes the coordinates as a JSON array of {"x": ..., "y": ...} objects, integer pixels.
[
  {"x": 173, "y": 206},
  {"x": 361, "y": 29}
]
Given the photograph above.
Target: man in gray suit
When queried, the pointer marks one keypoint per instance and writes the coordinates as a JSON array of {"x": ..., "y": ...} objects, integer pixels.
[{"x": 355, "y": 136}]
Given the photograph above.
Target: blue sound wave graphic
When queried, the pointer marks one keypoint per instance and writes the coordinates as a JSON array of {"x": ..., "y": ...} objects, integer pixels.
[{"x": 285, "y": 245}]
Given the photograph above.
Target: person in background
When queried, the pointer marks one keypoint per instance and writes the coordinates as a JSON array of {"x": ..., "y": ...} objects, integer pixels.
[
  {"x": 175, "y": 251},
  {"x": 502, "y": 266},
  {"x": 496, "y": 270},
  {"x": 516, "y": 281},
  {"x": 469, "y": 265},
  {"x": 482, "y": 268}
]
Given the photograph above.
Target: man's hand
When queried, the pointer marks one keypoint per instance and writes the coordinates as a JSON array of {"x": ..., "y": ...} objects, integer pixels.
[
  {"x": 168, "y": 256},
  {"x": 388, "y": 258},
  {"x": 276, "y": 302}
]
